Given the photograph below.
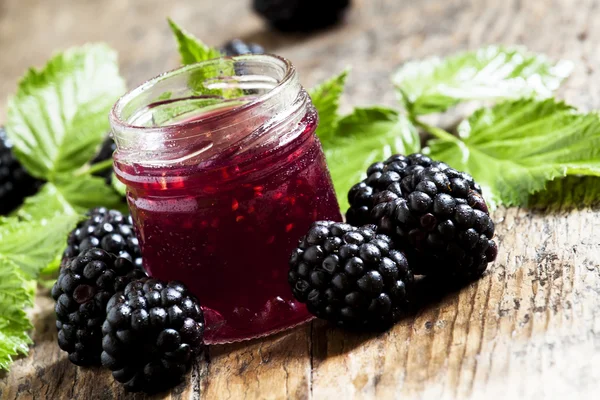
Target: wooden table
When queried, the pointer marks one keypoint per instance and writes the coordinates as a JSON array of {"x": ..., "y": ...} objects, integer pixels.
[{"x": 530, "y": 328}]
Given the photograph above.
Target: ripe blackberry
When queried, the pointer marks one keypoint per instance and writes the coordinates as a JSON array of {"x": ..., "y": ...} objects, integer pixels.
[
  {"x": 382, "y": 184},
  {"x": 105, "y": 153},
  {"x": 15, "y": 181},
  {"x": 441, "y": 221},
  {"x": 350, "y": 276},
  {"x": 300, "y": 15},
  {"x": 237, "y": 47},
  {"x": 151, "y": 333},
  {"x": 82, "y": 290},
  {"x": 109, "y": 230}
]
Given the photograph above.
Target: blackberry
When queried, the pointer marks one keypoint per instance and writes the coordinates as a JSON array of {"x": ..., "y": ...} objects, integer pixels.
[
  {"x": 82, "y": 290},
  {"x": 237, "y": 47},
  {"x": 151, "y": 333},
  {"x": 300, "y": 15},
  {"x": 109, "y": 230},
  {"x": 441, "y": 221},
  {"x": 15, "y": 181},
  {"x": 106, "y": 151},
  {"x": 350, "y": 276},
  {"x": 382, "y": 184}
]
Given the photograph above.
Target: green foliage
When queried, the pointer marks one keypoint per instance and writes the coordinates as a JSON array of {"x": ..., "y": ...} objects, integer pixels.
[
  {"x": 326, "y": 99},
  {"x": 516, "y": 147},
  {"x": 58, "y": 117},
  {"x": 490, "y": 73},
  {"x": 15, "y": 296},
  {"x": 191, "y": 49},
  {"x": 56, "y": 120},
  {"x": 363, "y": 137}
]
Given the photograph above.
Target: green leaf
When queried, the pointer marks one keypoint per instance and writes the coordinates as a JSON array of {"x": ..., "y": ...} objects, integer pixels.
[
  {"x": 16, "y": 294},
  {"x": 58, "y": 117},
  {"x": 490, "y": 73},
  {"x": 568, "y": 193},
  {"x": 209, "y": 81},
  {"x": 32, "y": 245},
  {"x": 14, "y": 339},
  {"x": 362, "y": 138},
  {"x": 172, "y": 113},
  {"x": 515, "y": 148},
  {"x": 70, "y": 197},
  {"x": 48, "y": 273},
  {"x": 118, "y": 186},
  {"x": 191, "y": 49},
  {"x": 326, "y": 99}
]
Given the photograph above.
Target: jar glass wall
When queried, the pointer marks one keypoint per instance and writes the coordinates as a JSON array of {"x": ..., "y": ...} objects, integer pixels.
[{"x": 224, "y": 173}]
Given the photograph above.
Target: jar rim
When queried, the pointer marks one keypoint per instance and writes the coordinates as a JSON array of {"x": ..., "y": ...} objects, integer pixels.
[{"x": 117, "y": 121}]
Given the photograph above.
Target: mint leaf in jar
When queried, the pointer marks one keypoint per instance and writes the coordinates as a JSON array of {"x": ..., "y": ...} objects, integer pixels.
[
  {"x": 57, "y": 118},
  {"x": 491, "y": 73},
  {"x": 216, "y": 81},
  {"x": 191, "y": 49},
  {"x": 516, "y": 147}
]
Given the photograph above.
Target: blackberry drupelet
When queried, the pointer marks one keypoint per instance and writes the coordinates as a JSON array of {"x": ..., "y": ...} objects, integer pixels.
[
  {"x": 15, "y": 181},
  {"x": 82, "y": 290},
  {"x": 237, "y": 47},
  {"x": 350, "y": 276},
  {"x": 301, "y": 15},
  {"x": 441, "y": 221},
  {"x": 105, "y": 153},
  {"x": 382, "y": 184},
  {"x": 109, "y": 230},
  {"x": 151, "y": 333}
]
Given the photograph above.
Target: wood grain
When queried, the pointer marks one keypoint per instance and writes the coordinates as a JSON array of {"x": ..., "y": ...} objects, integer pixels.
[{"x": 530, "y": 328}]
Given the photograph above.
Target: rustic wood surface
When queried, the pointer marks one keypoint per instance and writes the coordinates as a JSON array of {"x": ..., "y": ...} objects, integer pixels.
[{"x": 530, "y": 328}]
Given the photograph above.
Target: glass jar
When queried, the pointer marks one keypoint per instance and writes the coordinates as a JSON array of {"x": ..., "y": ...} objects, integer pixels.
[{"x": 224, "y": 174}]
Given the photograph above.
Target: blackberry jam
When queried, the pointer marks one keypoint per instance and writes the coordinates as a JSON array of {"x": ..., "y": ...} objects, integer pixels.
[{"x": 224, "y": 174}]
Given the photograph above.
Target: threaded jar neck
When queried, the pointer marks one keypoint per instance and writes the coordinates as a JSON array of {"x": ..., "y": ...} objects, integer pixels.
[{"x": 192, "y": 113}]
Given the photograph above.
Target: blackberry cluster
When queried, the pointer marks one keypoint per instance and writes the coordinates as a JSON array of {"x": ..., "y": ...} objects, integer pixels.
[
  {"x": 15, "y": 181},
  {"x": 109, "y": 230},
  {"x": 150, "y": 335},
  {"x": 237, "y": 47},
  {"x": 300, "y": 15},
  {"x": 382, "y": 184},
  {"x": 82, "y": 291},
  {"x": 350, "y": 276},
  {"x": 414, "y": 212},
  {"x": 105, "y": 153},
  {"x": 441, "y": 221}
]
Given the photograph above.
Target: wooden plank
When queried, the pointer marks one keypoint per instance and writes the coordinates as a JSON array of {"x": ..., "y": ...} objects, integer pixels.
[
  {"x": 271, "y": 368},
  {"x": 529, "y": 328}
]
